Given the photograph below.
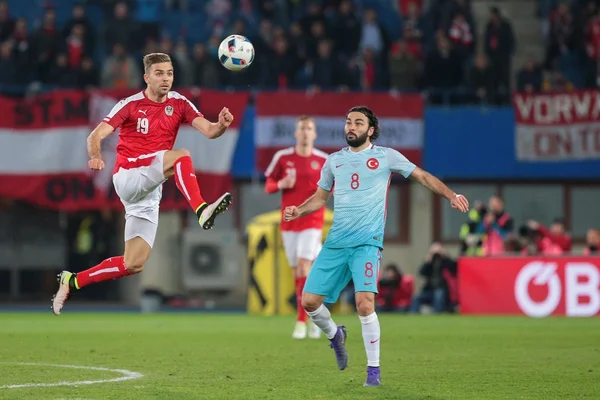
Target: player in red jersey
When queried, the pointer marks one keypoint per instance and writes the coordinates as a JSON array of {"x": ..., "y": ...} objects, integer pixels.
[
  {"x": 149, "y": 123},
  {"x": 295, "y": 171}
]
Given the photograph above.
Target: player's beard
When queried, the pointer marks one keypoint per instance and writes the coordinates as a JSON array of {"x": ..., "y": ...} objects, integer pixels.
[{"x": 358, "y": 140}]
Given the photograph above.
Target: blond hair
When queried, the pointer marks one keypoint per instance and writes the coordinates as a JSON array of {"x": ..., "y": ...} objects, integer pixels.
[
  {"x": 155, "y": 58},
  {"x": 303, "y": 118}
]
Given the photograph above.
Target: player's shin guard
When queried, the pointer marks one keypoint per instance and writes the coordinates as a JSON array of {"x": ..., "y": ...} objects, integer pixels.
[
  {"x": 109, "y": 269},
  {"x": 322, "y": 318},
  {"x": 185, "y": 179},
  {"x": 371, "y": 333},
  {"x": 301, "y": 316}
]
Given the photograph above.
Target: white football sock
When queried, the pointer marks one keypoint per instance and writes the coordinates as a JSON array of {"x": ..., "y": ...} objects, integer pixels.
[
  {"x": 371, "y": 334},
  {"x": 322, "y": 318}
]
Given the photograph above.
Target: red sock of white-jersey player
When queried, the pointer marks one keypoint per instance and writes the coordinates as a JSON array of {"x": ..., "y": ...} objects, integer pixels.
[
  {"x": 109, "y": 269},
  {"x": 185, "y": 179},
  {"x": 300, "y": 281}
]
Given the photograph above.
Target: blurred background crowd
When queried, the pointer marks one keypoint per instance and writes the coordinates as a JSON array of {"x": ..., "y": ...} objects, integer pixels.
[{"x": 441, "y": 47}]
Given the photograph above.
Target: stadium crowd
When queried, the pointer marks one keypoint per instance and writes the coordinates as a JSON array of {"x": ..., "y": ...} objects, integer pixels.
[{"x": 403, "y": 45}]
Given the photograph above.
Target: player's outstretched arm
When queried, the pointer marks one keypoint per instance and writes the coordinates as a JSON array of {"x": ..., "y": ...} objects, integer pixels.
[
  {"x": 213, "y": 130},
  {"x": 436, "y": 186},
  {"x": 314, "y": 203},
  {"x": 94, "y": 145}
]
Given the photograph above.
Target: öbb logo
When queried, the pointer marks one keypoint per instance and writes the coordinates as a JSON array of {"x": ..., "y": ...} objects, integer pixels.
[{"x": 581, "y": 297}]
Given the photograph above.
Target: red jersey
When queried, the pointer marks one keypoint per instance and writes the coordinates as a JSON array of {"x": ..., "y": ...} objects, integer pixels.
[
  {"x": 147, "y": 126},
  {"x": 308, "y": 173}
]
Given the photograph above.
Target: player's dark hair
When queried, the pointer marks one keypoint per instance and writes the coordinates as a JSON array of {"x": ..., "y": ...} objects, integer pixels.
[
  {"x": 155, "y": 58},
  {"x": 373, "y": 121}
]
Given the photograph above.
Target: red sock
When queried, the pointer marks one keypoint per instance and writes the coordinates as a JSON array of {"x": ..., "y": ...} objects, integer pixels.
[
  {"x": 299, "y": 287},
  {"x": 185, "y": 179},
  {"x": 111, "y": 268}
]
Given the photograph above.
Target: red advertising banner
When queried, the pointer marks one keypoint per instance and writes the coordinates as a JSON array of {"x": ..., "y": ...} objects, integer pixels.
[
  {"x": 43, "y": 155},
  {"x": 557, "y": 126},
  {"x": 532, "y": 286},
  {"x": 400, "y": 120}
]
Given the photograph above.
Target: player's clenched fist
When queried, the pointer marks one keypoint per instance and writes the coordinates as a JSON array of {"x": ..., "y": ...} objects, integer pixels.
[
  {"x": 225, "y": 117},
  {"x": 96, "y": 164},
  {"x": 290, "y": 213}
]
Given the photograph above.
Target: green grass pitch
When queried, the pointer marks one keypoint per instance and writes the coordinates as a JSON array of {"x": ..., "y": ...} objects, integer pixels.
[{"x": 235, "y": 356}]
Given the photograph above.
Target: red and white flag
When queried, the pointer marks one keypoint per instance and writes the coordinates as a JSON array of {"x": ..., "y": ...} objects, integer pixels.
[
  {"x": 43, "y": 155},
  {"x": 557, "y": 126},
  {"x": 400, "y": 121}
]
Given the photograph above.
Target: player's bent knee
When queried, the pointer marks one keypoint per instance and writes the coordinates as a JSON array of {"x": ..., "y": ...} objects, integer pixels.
[
  {"x": 183, "y": 153},
  {"x": 134, "y": 265},
  {"x": 310, "y": 302},
  {"x": 302, "y": 267},
  {"x": 365, "y": 303}
]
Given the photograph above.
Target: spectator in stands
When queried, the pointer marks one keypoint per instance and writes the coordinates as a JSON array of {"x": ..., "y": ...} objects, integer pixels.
[
  {"x": 282, "y": 66},
  {"x": 120, "y": 28},
  {"x": 218, "y": 12},
  {"x": 317, "y": 35},
  {"x": 120, "y": 71},
  {"x": 314, "y": 13},
  {"x": 89, "y": 76},
  {"x": 205, "y": 67},
  {"x": 395, "y": 290},
  {"x": 553, "y": 241},
  {"x": 404, "y": 68},
  {"x": 7, "y": 24},
  {"x": 481, "y": 80},
  {"x": 299, "y": 42},
  {"x": 592, "y": 244},
  {"x": 185, "y": 74},
  {"x": 414, "y": 26},
  {"x": 373, "y": 36},
  {"x": 496, "y": 225},
  {"x": 62, "y": 74},
  {"x": 47, "y": 41},
  {"x": 75, "y": 46},
  {"x": 471, "y": 238},
  {"x": 561, "y": 33},
  {"x": 324, "y": 68},
  {"x": 592, "y": 43},
  {"x": 23, "y": 52},
  {"x": 461, "y": 35},
  {"x": 439, "y": 272},
  {"x": 500, "y": 47},
  {"x": 346, "y": 30},
  {"x": 78, "y": 17},
  {"x": 8, "y": 65},
  {"x": 372, "y": 75},
  {"x": 443, "y": 67},
  {"x": 529, "y": 78},
  {"x": 450, "y": 9},
  {"x": 148, "y": 13}
]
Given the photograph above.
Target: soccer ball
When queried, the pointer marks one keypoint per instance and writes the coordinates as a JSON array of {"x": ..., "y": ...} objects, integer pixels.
[{"x": 236, "y": 52}]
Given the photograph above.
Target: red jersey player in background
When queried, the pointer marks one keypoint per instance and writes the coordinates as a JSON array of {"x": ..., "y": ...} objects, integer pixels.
[
  {"x": 295, "y": 171},
  {"x": 149, "y": 122}
]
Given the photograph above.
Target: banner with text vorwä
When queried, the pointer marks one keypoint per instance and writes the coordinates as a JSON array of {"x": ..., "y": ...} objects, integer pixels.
[
  {"x": 43, "y": 155},
  {"x": 557, "y": 126},
  {"x": 400, "y": 121},
  {"x": 532, "y": 286}
]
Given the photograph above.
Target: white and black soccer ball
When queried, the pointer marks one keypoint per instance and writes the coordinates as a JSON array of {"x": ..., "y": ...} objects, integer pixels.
[{"x": 236, "y": 52}]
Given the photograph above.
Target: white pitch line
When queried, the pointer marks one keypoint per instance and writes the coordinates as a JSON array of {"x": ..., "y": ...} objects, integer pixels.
[{"x": 127, "y": 375}]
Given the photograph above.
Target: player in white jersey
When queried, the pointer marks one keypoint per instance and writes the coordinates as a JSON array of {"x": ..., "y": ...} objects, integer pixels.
[{"x": 361, "y": 175}]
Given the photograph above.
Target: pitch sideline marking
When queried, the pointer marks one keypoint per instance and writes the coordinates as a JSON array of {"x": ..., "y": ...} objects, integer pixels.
[{"x": 127, "y": 375}]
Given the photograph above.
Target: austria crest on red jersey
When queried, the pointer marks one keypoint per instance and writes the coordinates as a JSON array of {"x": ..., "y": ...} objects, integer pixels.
[
  {"x": 169, "y": 110},
  {"x": 314, "y": 165}
]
